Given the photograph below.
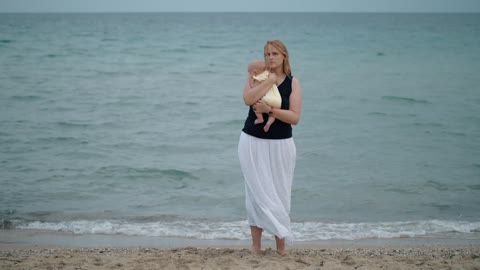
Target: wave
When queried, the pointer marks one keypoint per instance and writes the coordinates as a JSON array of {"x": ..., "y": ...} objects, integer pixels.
[
  {"x": 146, "y": 172},
  {"x": 175, "y": 50},
  {"x": 405, "y": 99},
  {"x": 60, "y": 139},
  {"x": 474, "y": 187},
  {"x": 72, "y": 125},
  {"x": 26, "y": 97},
  {"x": 378, "y": 113},
  {"x": 227, "y": 123},
  {"x": 51, "y": 55},
  {"x": 238, "y": 230},
  {"x": 213, "y": 46},
  {"x": 428, "y": 124}
]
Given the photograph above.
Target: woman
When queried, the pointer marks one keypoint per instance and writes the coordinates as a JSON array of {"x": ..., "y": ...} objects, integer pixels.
[{"x": 268, "y": 158}]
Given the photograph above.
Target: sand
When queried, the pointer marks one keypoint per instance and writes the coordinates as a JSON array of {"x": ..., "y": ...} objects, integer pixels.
[
  {"x": 25, "y": 249},
  {"x": 240, "y": 258}
]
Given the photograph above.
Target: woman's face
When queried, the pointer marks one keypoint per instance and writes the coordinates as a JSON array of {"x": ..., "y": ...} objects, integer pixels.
[{"x": 274, "y": 57}]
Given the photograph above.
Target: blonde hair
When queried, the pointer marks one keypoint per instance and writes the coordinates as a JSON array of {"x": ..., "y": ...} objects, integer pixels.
[{"x": 277, "y": 44}]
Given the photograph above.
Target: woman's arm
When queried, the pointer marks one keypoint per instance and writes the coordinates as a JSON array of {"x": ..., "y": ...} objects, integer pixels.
[
  {"x": 253, "y": 94},
  {"x": 290, "y": 116}
]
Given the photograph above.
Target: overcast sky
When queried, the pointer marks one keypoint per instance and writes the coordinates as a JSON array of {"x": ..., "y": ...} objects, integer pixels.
[{"x": 239, "y": 5}]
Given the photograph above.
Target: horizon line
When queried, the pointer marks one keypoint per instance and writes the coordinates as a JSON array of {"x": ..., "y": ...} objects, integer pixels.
[{"x": 140, "y": 12}]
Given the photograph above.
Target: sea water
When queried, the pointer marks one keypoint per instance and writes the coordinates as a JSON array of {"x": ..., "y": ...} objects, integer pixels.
[{"x": 129, "y": 123}]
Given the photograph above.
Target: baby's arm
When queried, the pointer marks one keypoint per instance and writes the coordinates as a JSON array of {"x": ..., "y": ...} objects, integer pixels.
[{"x": 251, "y": 94}]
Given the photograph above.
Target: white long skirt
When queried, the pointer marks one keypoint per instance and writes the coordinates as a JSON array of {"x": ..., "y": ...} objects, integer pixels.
[{"x": 268, "y": 167}]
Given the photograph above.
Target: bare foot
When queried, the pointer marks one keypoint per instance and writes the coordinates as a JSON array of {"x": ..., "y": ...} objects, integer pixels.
[
  {"x": 281, "y": 250},
  {"x": 258, "y": 121},
  {"x": 255, "y": 251},
  {"x": 266, "y": 127}
]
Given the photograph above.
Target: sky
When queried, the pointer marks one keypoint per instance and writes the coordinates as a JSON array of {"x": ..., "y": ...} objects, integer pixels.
[{"x": 239, "y": 5}]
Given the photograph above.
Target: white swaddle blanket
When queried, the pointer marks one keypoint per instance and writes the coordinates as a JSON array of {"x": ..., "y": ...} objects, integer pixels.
[{"x": 272, "y": 97}]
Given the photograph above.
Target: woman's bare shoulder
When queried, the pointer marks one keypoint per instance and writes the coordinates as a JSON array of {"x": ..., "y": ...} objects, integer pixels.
[{"x": 295, "y": 82}]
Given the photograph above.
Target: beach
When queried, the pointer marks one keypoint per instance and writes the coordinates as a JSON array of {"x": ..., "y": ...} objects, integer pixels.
[
  {"x": 21, "y": 249},
  {"x": 119, "y": 140},
  {"x": 239, "y": 258}
]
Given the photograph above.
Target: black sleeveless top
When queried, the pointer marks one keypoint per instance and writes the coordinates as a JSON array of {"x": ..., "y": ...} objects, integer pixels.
[{"x": 279, "y": 129}]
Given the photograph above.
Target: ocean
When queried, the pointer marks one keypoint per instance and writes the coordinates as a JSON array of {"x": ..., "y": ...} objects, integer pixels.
[{"x": 129, "y": 123}]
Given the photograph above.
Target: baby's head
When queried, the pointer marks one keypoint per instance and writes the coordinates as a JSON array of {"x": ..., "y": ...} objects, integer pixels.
[{"x": 256, "y": 67}]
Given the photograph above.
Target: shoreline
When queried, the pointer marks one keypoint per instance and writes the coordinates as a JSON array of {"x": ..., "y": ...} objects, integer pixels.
[
  {"x": 27, "y": 239},
  {"x": 24, "y": 249}
]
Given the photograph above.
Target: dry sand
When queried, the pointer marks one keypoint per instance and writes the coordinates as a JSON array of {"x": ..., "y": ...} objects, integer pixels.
[{"x": 238, "y": 258}]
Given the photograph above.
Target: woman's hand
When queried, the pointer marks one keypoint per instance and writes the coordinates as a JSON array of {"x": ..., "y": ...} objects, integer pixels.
[
  {"x": 290, "y": 115},
  {"x": 261, "y": 107},
  {"x": 253, "y": 93}
]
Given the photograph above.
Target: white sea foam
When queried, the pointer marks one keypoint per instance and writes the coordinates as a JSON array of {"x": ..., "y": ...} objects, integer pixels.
[{"x": 238, "y": 230}]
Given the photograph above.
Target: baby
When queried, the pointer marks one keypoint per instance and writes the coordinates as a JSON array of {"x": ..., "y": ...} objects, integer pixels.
[{"x": 258, "y": 72}]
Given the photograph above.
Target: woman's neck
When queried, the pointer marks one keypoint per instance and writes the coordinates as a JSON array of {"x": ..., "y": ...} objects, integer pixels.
[
  {"x": 279, "y": 72},
  {"x": 280, "y": 76}
]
